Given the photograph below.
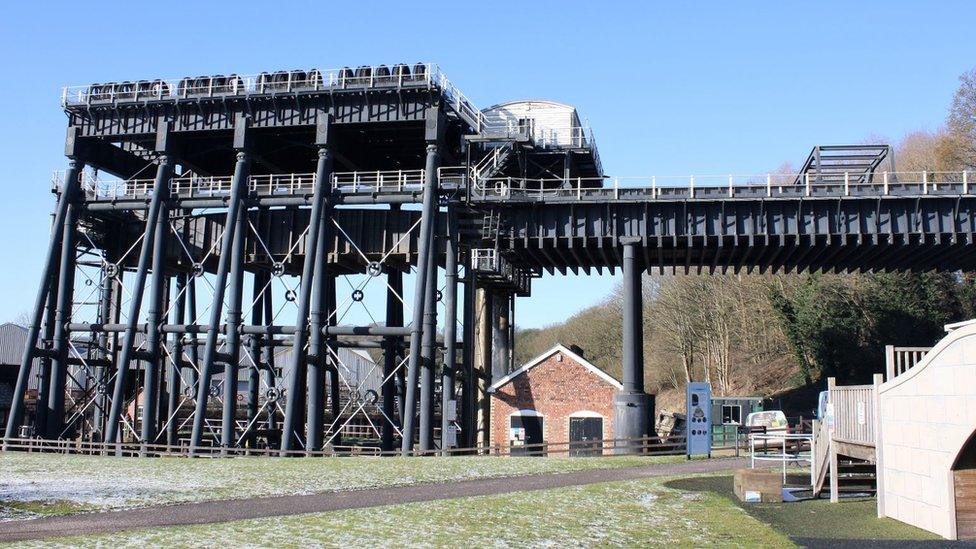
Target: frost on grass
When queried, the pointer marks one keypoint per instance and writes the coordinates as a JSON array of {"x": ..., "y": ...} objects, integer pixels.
[
  {"x": 633, "y": 513},
  {"x": 103, "y": 482}
]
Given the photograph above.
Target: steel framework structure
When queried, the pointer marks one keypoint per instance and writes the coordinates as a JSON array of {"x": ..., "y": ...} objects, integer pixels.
[{"x": 166, "y": 298}]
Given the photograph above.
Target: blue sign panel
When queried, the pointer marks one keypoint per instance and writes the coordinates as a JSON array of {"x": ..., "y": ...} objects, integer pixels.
[{"x": 698, "y": 426}]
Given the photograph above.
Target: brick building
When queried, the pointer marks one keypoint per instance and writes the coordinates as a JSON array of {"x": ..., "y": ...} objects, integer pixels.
[{"x": 557, "y": 397}]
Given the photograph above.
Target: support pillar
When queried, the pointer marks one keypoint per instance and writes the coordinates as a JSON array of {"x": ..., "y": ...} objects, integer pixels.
[
  {"x": 160, "y": 190},
  {"x": 632, "y": 408},
  {"x": 62, "y": 315},
  {"x": 424, "y": 255},
  {"x": 154, "y": 318},
  {"x": 238, "y": 186},
  {"x": 254, "y": 344},
  {"x": 44, "y": 380},
  {"x": 391, "y": 359},
  {"x": 194, "y": 350},
  {"x": 427, "y": 353},
  {"x": 269, "y": 363},
  {"x": 68, "y": 194},
  {"x": 173, "y": 384},
  {"x": 235, "y": 314},
  {"x": 469, "y": 383},
  {"x": 323, "y": 285},
  {"x": 449, "y": 375},
  {"x": 297, "y": 380},
  {"x": 335, "y": 384}
]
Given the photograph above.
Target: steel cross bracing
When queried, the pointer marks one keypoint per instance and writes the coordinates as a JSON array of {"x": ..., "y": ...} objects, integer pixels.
[{"x": 216, "y": 249}]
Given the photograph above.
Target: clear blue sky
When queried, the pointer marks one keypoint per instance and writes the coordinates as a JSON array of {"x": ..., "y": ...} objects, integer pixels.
[{"x": 723, "y": 87}]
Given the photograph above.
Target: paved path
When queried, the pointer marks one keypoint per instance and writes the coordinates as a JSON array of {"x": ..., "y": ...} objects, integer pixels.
[{"x": 240, "y": 509}]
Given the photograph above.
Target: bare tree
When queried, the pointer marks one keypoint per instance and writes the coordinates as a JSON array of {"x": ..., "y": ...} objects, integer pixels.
[{"x": 961, "y": 121}]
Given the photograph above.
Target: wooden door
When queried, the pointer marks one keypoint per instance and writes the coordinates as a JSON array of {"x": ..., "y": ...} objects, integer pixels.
[
  {"x": 585, "y": 434},
  {"x": 965, "y": 493}
]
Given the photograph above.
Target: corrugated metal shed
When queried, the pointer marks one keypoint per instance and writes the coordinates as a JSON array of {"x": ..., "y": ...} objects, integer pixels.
[
  {"x": 356, "y": 367},
  {"x": 13, "y": 338}
]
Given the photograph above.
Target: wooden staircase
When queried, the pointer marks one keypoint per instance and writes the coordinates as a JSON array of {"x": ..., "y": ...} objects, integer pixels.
[{"x": 854, "y": 475}]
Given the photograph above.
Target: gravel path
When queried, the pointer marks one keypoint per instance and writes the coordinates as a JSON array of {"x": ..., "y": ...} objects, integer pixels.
[{"x": 241, "y": 509}]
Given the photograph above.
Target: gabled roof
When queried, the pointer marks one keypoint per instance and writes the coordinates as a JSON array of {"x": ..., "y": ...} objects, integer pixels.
[{"x": 559, "y": 348}]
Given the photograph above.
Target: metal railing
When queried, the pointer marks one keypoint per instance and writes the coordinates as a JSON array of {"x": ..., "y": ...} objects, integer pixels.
[
  {"x": 379, "y": 181},
  {"x": 899, "y": 360},
  {"x": 278, "y": 82},
  {"x": 281, "y": 184},
  {"x": 607, "y": 188},
  {"x": 782, "y": 448},
  {"x": 730, "y": 186},
  {"x": 484, "y": 259}
]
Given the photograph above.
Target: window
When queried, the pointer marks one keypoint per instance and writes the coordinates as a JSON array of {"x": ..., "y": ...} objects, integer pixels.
[{"x": 731, "y": 414}]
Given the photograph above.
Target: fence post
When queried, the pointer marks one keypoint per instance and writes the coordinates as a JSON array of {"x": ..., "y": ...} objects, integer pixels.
[
  {"x": 965, "y": 182},
  {"x": 878, "y": 454},
  {"x": 769, "y": 185},
  {"x": 889, "y": 362},
  {"x": 925, "y": 182},
  {"x": 731, "y": 192},
  {"x": 691, "y": 188},
  {"x": 806, "y": 177},
  {"x": 886, "y": 183},
  {"x": 847, "y": 184}
]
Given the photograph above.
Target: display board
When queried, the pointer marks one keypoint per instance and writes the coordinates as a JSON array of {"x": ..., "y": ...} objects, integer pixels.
[{"x": 698, "y": 427}]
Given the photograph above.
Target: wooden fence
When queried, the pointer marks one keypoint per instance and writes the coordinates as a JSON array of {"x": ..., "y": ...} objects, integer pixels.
[
  {"x": 899, "y": 360},
  {"x": 674, "y": 445},
  {"x": 853, "y": 413}
]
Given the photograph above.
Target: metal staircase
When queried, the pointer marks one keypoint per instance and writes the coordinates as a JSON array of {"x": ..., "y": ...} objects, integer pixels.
[{"x": 491, "y": 165}]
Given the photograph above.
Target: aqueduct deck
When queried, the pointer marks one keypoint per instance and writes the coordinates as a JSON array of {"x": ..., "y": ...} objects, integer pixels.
[{"x": 376, "y": 173}]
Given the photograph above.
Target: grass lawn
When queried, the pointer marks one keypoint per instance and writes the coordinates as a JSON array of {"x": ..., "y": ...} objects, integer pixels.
[
  {"x": 32, "y": 484},
  {"x": 850, "y": 519},
  {"x": 631, "y": 513}
]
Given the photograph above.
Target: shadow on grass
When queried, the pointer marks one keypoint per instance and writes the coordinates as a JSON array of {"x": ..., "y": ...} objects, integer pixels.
[{"x": 818, "y": 523}]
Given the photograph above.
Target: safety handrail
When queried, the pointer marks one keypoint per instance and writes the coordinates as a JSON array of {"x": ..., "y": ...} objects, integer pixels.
[
  {"x": 654, "y": 187},
  {"x": 286, "y": 81},
  {"x": 731, "y": 186}
]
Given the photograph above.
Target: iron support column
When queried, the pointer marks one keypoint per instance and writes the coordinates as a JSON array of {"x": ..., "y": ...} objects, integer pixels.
[
  {"x": 68, "y": 193},
  {"x": 427, "y": 221},
  {"x": 228, "y": 433},
  {"x": 297, "y": 381},
  {"x": 332, "y": 360},
  {"x": 194, "y": 351},
  {"x": 631, "y": 413},
  {"x": 450, "y": 331},
  {"x": 154, "y": 318},
  {"x": 44, "y": 380},
  {"x": 269, "y": 362},
  {"x": 160, "y": 190},
  {"x": 469, "y": 385},
  {"x": 427, "y": 352},
  {"x": 391, "y": 359},
  {"x": 319, "y": 311},
  {"x": 173, "y": 383},
  {"x": 238, "y": 185},
  {"x": 62, "y": 315},
  {"x": 255, "y": 342}
]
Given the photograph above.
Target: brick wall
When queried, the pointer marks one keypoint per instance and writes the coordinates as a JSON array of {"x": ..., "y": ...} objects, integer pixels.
[{"x": 556, "y": 390}]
